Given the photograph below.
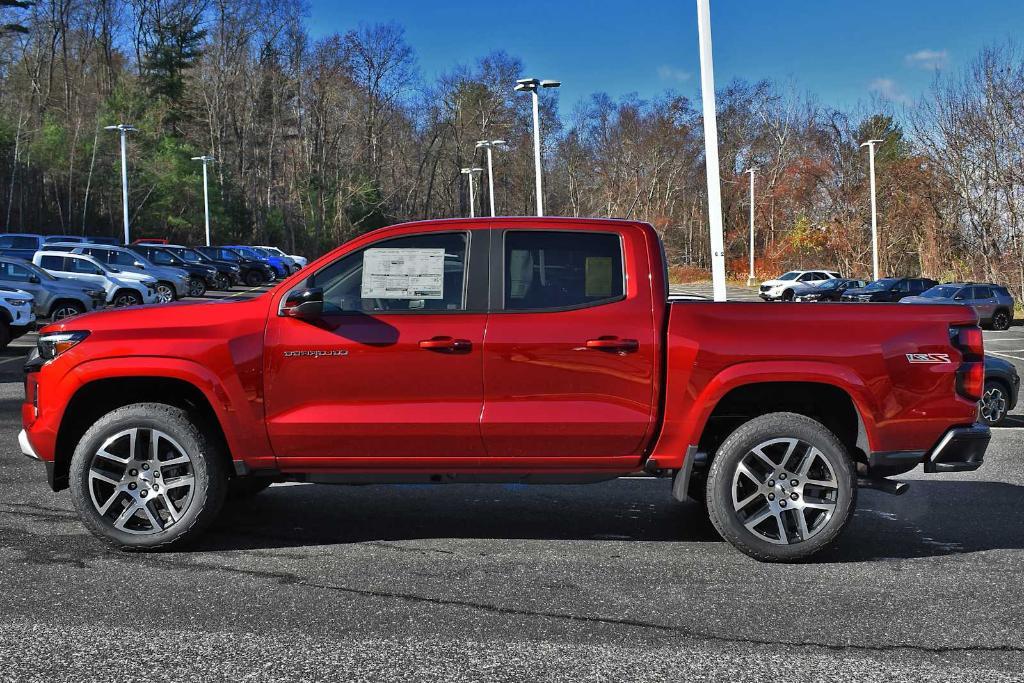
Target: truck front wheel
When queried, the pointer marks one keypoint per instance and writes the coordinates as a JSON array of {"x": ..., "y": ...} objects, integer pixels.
[
  {"x": 781, "y": 488},
  {"x": 145, "y": 477}
]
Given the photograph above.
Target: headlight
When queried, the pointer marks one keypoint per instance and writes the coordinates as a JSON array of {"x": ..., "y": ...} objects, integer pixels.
[
  {"x": 16, "y": 302},
  {"x": 234, "y": 268},
  {"x": 96, "y": 293},
  {"x": 52, "y": 345}
]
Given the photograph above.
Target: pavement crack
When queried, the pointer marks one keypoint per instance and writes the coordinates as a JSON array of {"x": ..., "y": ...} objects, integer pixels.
[{"x": 288, "y": 578}]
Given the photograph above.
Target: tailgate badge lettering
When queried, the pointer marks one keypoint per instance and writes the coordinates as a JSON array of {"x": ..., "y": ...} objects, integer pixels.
[{"x": 928, "y": 357}]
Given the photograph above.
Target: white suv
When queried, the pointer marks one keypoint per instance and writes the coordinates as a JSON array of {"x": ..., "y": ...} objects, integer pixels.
[
  {"x": 121, "y": 287},
  {"x": 16, "y": 314},
  {"x": 782, "y": 287}
]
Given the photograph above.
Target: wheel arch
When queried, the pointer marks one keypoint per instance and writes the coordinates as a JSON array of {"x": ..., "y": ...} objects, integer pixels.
[
  {"x": 57, "y": 303},
  {"x": 100, "y": 396},
  {"x": 739, "y": 391}
]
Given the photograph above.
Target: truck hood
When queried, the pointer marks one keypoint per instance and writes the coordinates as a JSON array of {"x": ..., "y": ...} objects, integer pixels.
[{"x": 177, "y": 315}]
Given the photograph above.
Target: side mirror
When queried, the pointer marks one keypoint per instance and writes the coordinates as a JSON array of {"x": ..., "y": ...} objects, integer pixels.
[
  {"x": 139, "y": 264},
  {"x": 33, "y": 279},
  {"x": 959, "y": 297},
  {"x": 304, "y": 304}
]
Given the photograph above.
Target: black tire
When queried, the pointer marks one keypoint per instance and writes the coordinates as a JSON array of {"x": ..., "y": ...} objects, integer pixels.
[
  {"x": 196, "y": 286},
  {"x": 1001, "y": 320},
  {"x": 241, "y": 488},
  {"x": 126, "y": 297},
  {"x": 223, "y": 283},
  {"x": 5, "y": 334},
  {"x": 787, "y": 295},
  {"x": 994, "y": 405},
  {"x": 739, "y": 446},
  {"x": 207, "y": 470},
  {"x": 253, "y": 278},
  {"x": 165, "y": 292},
  {"x": 65, "y": 309}
]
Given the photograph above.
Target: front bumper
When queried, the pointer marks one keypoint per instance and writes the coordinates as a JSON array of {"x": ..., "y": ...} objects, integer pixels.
[{"x": 961, "y": 449}]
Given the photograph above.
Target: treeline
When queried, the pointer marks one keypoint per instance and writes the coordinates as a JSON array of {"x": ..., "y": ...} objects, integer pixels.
[{"x": 319, "y": 140}]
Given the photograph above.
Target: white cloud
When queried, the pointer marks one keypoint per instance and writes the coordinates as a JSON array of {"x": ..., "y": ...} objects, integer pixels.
[
  {"x": 929, "y": 60},
  {"x": 671, "y": 73},
  {"x": 888, "y": 89}
]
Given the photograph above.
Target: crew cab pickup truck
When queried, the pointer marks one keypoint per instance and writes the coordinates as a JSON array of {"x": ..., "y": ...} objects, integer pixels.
[{"x": 536, "y": 350}]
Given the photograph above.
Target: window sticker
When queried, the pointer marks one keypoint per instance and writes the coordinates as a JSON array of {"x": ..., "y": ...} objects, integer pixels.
[
  {"x": 598, "y": 276},
  {"x": 403, "y": 274}
]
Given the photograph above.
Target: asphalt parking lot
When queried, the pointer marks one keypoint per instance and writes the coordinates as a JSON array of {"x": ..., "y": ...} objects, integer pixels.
[{"x": 612, "y": 581}]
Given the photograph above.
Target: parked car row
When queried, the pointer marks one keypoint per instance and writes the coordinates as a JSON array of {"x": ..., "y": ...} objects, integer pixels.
[
  {"x": 58, "y": 276},
  {"x": 993, "y": 303}
]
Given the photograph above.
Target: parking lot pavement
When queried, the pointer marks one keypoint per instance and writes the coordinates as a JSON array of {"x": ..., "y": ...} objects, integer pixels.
[{"x": 611, "y": 581}]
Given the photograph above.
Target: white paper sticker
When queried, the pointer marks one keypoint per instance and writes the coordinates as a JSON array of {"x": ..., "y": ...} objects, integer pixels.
[{"x": 403, "y": 274}]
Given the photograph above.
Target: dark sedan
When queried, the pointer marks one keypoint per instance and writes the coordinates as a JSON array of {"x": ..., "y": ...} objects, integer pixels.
[
  {"x": 890, "y": 289},
  {"x": 829, "y": 290}
]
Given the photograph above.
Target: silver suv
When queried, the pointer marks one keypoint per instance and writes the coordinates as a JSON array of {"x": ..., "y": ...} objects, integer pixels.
[
  {"x": 993, "y": 303},
  {"x": 53, "y": 297}
]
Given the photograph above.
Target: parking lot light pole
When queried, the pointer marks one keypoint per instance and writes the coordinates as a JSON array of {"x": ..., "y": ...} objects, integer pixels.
[
  {"x": 750, "y": 278},
  {"x": 531, "y": 85},
  {"x": 707, "y": 87},
  {"x": 489, "y": 145},
  {"x": 206, "y": 193},
  {"x": 472, "y": 200},
  {"x": 870, "y": 144},
  {"x": 124, "y": 129}
]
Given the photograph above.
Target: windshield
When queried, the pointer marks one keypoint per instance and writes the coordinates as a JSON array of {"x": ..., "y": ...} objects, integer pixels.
[
  {"x": 880, "y": 285},
  {"x": 188, "y": 255},
  {"x": 940, "y": 292},
  {"x": 16, "y": 242},
  {"x": 831, "y": 284},
  {"x": 228, "y": 255},
  {"x": 791, "y": 275}
]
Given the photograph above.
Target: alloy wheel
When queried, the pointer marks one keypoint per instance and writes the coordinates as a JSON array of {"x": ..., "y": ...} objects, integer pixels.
[
  {"x": 784, "y": 491},
  {"x": 65, "y": 311},
  {"x": 993, "y": 404},
  {"x": 164, "y": 293},
  {"x": 141, "y": 481},
  {"x": 122, "y": 300}
]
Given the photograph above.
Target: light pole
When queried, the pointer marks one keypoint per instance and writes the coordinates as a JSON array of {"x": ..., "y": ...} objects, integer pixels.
[
  {"x": 206, "y": 193},
  {"x": 531, "y": 85},
  {"x": 870, "y": 144},
  {"x": 490, "y": 145},
  {"x": 124, "y": 129},
  {"x": 707, "y": 87},
  {"x": 750, "y": 278},
  {"x": 472, "y": 201}
]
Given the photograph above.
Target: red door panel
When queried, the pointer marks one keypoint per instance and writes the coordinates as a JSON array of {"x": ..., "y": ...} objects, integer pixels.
[
  {"x": 576, "y": 382},
  {"x": 363, "y": 386}
]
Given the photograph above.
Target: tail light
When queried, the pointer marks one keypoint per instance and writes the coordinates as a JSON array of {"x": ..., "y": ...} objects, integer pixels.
[{"x": 970, "y": 376}]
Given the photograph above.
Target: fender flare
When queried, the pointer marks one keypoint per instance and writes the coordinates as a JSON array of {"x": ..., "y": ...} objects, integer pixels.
[
  {"x": 231, "y": 406},
  {"x": 686, "y": 420}
]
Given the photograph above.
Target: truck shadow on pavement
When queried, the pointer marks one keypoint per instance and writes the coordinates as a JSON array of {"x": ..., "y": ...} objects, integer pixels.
[{"x": 936, "y": 518}]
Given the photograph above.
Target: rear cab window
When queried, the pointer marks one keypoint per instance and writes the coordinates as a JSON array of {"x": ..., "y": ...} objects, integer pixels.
[{"x": 557, "y": 270}]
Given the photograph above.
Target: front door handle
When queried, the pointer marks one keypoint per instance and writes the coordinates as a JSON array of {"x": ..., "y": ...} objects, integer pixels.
[
  {"x": 613, "y": 344},
  {"x": 447, "y": 345}
]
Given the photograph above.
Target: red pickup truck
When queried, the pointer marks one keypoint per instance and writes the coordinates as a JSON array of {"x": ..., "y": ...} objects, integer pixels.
[{"x": 538, "y": 350}]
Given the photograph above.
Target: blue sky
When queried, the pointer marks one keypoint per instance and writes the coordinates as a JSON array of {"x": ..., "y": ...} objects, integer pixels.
[{"x": 842, "y": 51}]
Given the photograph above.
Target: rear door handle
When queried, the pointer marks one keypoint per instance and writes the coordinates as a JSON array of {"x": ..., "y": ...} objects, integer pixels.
[
  {"x": 447, "y": 345},
  {"x": 613, "y": 344}
]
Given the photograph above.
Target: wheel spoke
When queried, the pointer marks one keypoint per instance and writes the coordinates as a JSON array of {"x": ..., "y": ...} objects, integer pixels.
[
  {"x": 789, "y": 452},
  {"x": 746, "y": 472},
  {"x": 739, "y": 505},
  {"x": 812, "y": 455},
  {"x": 126, "y": 514},
  {"x": 153, "y": 519},
  {"x": 102, "y": 476},
  {"x": 178, "y": 482},
  {"x": 764, "y": 458},
  {"x": 102, "y": 508},
  {"x": 169, "y": 504},
  {"x": 783, "y": 536},
  {"x": 802, "y": 523},
  {"x": 820, "y": 505},
  {"x": 181, "y": 459},
  {"x": 821, "y": 483},
  {"x": 757, "y": 519}
]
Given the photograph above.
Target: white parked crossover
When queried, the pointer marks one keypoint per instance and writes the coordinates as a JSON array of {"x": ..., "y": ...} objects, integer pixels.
[
  {"x": 783, "y": 287},
  {"x": 121, "y": 287}
]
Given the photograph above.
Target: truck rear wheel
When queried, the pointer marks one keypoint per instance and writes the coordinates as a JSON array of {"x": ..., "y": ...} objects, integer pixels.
[
  {"x": 781, "y": 488},
  {"x": 144, "y": 477}
]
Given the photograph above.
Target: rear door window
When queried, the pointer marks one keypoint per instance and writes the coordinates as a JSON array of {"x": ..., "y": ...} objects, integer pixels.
[
  {"x": 53, "y": 263},
  {"x": 550, "y": 270}
]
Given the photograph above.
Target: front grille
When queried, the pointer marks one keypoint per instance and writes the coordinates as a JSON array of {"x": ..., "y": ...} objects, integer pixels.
[{"x": 765, "y": 288}]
